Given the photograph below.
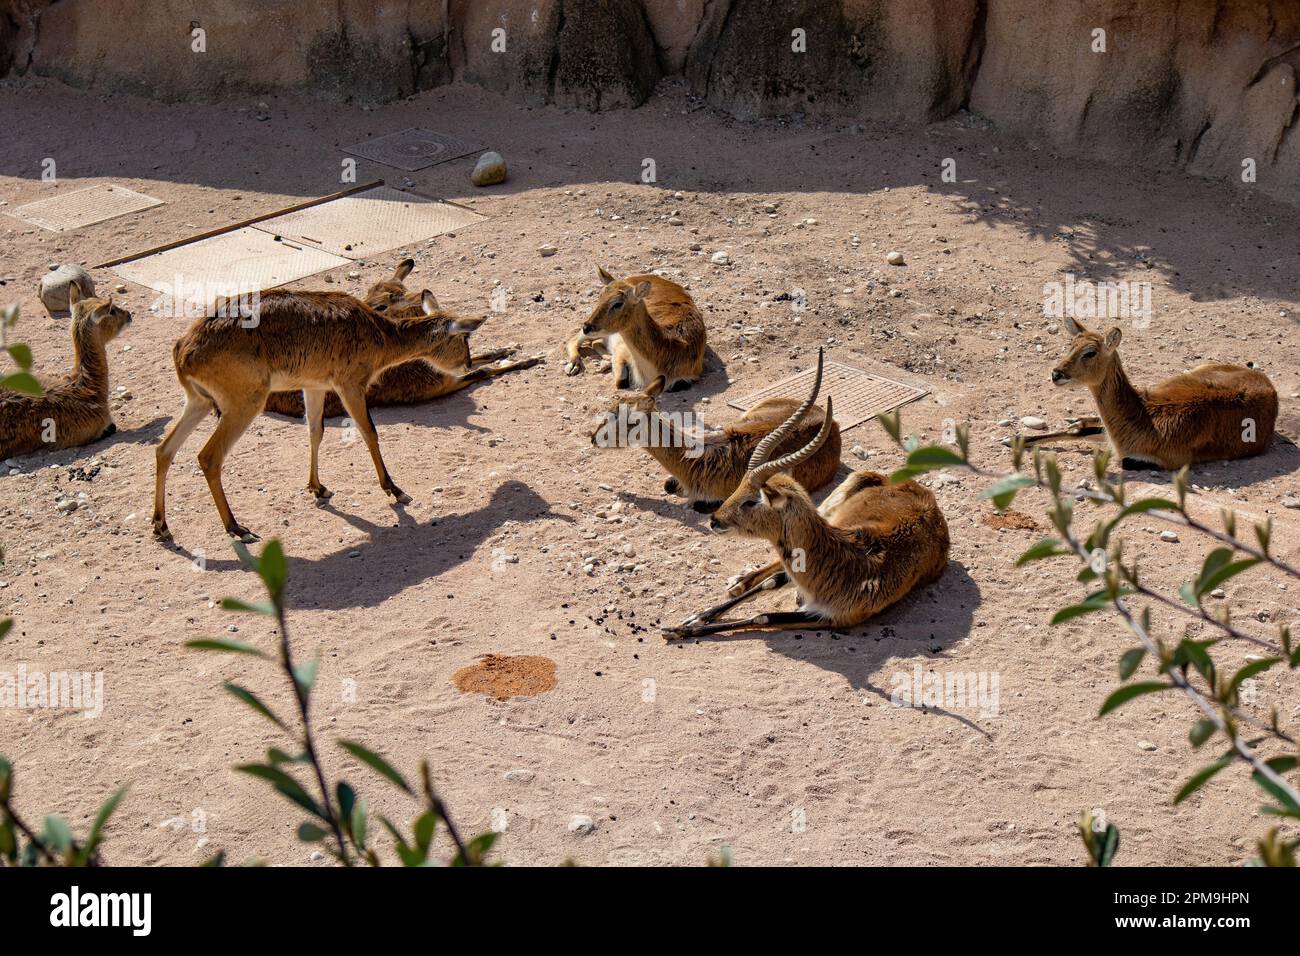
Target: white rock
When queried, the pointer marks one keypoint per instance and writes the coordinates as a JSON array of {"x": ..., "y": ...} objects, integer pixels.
[
  {"x": 1291, "y": 502},
  {"x": 547, "y": 249},
  {"x": 1146, "y": 745},
  {"x": 720, "y": 258},
  {"x": 1168, "y": 535},
  {"x": 895, "y": 259},
  {"x": 489, "y": 170},
  {"x": 1033, "y": 421},
  {"x": 54, "y": 286},
  {"x": 66, "y": 505},
  {"x": 581, "y": 823},
  {"x": 519, "y": 776}
]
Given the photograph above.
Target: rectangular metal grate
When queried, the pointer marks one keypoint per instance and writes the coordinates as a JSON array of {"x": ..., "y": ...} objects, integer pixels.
[
  {"x": 370, "y": 222},
  {"x": 244, "y": 260},
  {"x": 84, "y": 207},
  {"x": 858, "y": 396},
  {"x": 412, "y": 149}
]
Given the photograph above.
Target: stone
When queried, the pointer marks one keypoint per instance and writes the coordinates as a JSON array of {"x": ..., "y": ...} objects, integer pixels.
[
  {"x": 581, "y": 824},
  {"x": 896, "y": 259},
  {"x": 54, "y": 286},
  {"x": 1291, "y": 502},
  {"x": 1168, "y": 535},
  {"x": 489, "y": 170},
  {"x": 546, "y": 249},
  {"x": 1033, "y": 421},
  {"x": 720, "y": 258}
]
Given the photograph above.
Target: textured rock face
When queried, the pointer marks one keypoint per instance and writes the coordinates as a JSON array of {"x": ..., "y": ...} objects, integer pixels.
[{"x": 1200, "y": 85}]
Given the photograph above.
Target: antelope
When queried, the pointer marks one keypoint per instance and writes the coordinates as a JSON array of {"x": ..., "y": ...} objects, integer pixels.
[
  {"x": 867, "y": 546},
  {"x": 314, "y": 341},
  {"x": 414, "y": 382},
  {"x": 73, "y": 411},
  {"x": 1214, "y": 412},
  {"x": 706, "y": 470},
  {"x": 651, "y": 328}
]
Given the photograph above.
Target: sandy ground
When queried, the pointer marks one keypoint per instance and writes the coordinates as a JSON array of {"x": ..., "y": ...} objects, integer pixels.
[{"x": 782, "y": 746}]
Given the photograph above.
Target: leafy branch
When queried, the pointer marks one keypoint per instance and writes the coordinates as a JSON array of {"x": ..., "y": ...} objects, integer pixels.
[
  {"x": 1187, "y": 667},
  {"x": 23, "y": 380}
]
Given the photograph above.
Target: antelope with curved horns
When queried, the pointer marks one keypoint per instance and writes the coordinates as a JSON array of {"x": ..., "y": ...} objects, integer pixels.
[
  {"x": 314, "y": 341},
  {"x": 73, "y": 411},
  {"x": 867, "y": 546},
  {"x": 414, "y": 382},
  {"x": 707, "y": 469},
  {"x": 1212, "y": 413},
  {"x": 651, "y": 326}
]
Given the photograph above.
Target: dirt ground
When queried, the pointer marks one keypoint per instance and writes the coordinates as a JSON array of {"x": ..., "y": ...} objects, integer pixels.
[{"x": 782, "y": 746}]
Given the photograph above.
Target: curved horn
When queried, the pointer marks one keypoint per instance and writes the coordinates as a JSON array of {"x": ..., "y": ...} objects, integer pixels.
[
  {"x": 794, "y": 459},
  {"x": 774, "y": 438}
]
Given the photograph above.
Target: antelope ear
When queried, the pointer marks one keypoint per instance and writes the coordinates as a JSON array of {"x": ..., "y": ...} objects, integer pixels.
[
  {"x": 1071, "y": 326},
  {"x": 403, "y": 269},
  {"x": 465, "y": 325},
  {"x": 656, "y": 387},
  {"x": 74, "y": 294},
  {"x": 428, "y": 302},
  {"x": 640, "y": 290},
  {"x": 1113, "y": 337},
  {"x": 772, "y": 497},
  {"x": 605, "y": 277}
]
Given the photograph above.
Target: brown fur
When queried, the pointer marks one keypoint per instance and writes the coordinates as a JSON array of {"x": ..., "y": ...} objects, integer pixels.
[
  {"x": 722, "y": 460},
  {"x": 653, "y": 328},
  {"x": 410, "y": 383},
  {"x": 77, "y": 404},
  {"x": 1195, "y": 417},
  {"x": 314, "y": 341}
]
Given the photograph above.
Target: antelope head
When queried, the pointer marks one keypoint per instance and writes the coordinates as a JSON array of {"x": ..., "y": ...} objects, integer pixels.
[
  {"x": 617, "y": 305},
  {"x": 100, "y": 317},
  {"x": 382, "y": 296},
  {"x": 758, "y": 506},
  {"x": 446, "y": 334},
  {"x": 1091, "y": 355},
  {"x": 616, "y": 426}
]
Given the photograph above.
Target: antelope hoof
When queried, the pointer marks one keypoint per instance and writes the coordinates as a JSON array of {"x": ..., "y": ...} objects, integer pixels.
[
  {"x": 236, "y": 530},
  {"x": 673, "y": 487},
  {"x": 603, "y": 366},
  {"x": 399, "y": 496},
  {"x": 110, "y": 430},
  {"x": 706, "y": 507},
  {"x": 675, "y": 633},
  {"x": 321, "y": 492},
  {"x": 160, "y": 530},
  {"x": 573, "y": 368}
]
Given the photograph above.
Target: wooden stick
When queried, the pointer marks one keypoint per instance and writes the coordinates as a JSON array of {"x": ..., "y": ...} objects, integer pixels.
[{"x": 240, "y": 225}]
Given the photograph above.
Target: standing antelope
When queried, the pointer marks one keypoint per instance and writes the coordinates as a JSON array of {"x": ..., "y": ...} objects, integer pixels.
[
  {"x": 1212, "y": 413},
  {"x": 314, "y": 341},
  {"x": 411, "y": 382},
  {"x": 73, "y": 411},
  {"x": 869, "y": 544},
  {"x": 651, "y": 327},
  {"x": 706, "y": 469}
]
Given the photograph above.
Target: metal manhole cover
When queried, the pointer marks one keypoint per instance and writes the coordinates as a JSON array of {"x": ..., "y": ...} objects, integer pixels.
[
  {"x": 370, "y": 222},
  {"x": 412, "y": 148},
  {"x": 84, "y": 207},
  {"x": 859, "y": 396}
]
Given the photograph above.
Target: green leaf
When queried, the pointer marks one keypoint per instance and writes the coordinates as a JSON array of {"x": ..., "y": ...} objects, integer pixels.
[
  {"x": 1047, "y": 548},
  {"x": 57, "y": 833},
  {"x": 284, "y": 784},
  {"x": 1201, "y": 731},
  {"x": 257, "y": 607},
  {"x": 23, "y": 382},
  {"x": 1108, "y": 846},
  {"x": 934, "y": 456},
  {"x": 272, "y": 569},
  {"x": 409, "y": 855},
  {"x": 1188, "y": 593},
  {"x": 251, "y": 699},
  {"x": 1094, "y": 603},
  {"x": 1145, "y": 505},
  {"x": 1004, "y": 492},
  {"x": 359, "y": 824},
  {"x": 476, "y": 849},
  {"x": 423, "y": 831},
  {"x": 305, "y": 674},
  {"x": 1126, "y": 693},
  {"x": 1222, "y": 574},
  {"x": 6, "y": 626},
  {"x": 347, "y": 798},
  {"x": 310, "y": 833},
  {"x": 1251, "y": 669},
  {"x": 376, "y": 762},
  {"x": 1279, "y": 765},
  {"x": 227, "y": 644},
  {"x": 1129, "y": 661},
  {"x": 22, "y": 355},
  {"x": 1202, "y": 777},
  {"x": 905, "y": 473},
  {"x": 1194, "y": 653}
]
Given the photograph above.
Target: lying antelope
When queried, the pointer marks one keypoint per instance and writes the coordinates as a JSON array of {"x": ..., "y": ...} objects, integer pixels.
[
  {"x": 314, "y": 341},
  {"x": 411, "y": 382},
  {"x": 73, "y": 411},
  {"x": 707, "y": 469},
  {"x": 651, "y": 328},
  {"x": 1212, "y": 413},
  {"x": 867, "y": 546}
]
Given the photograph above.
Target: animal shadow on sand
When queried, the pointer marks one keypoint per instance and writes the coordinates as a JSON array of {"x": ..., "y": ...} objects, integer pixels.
[
  {"x": 394, "y": 558},
  {"x": 929, "y": 620}
]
